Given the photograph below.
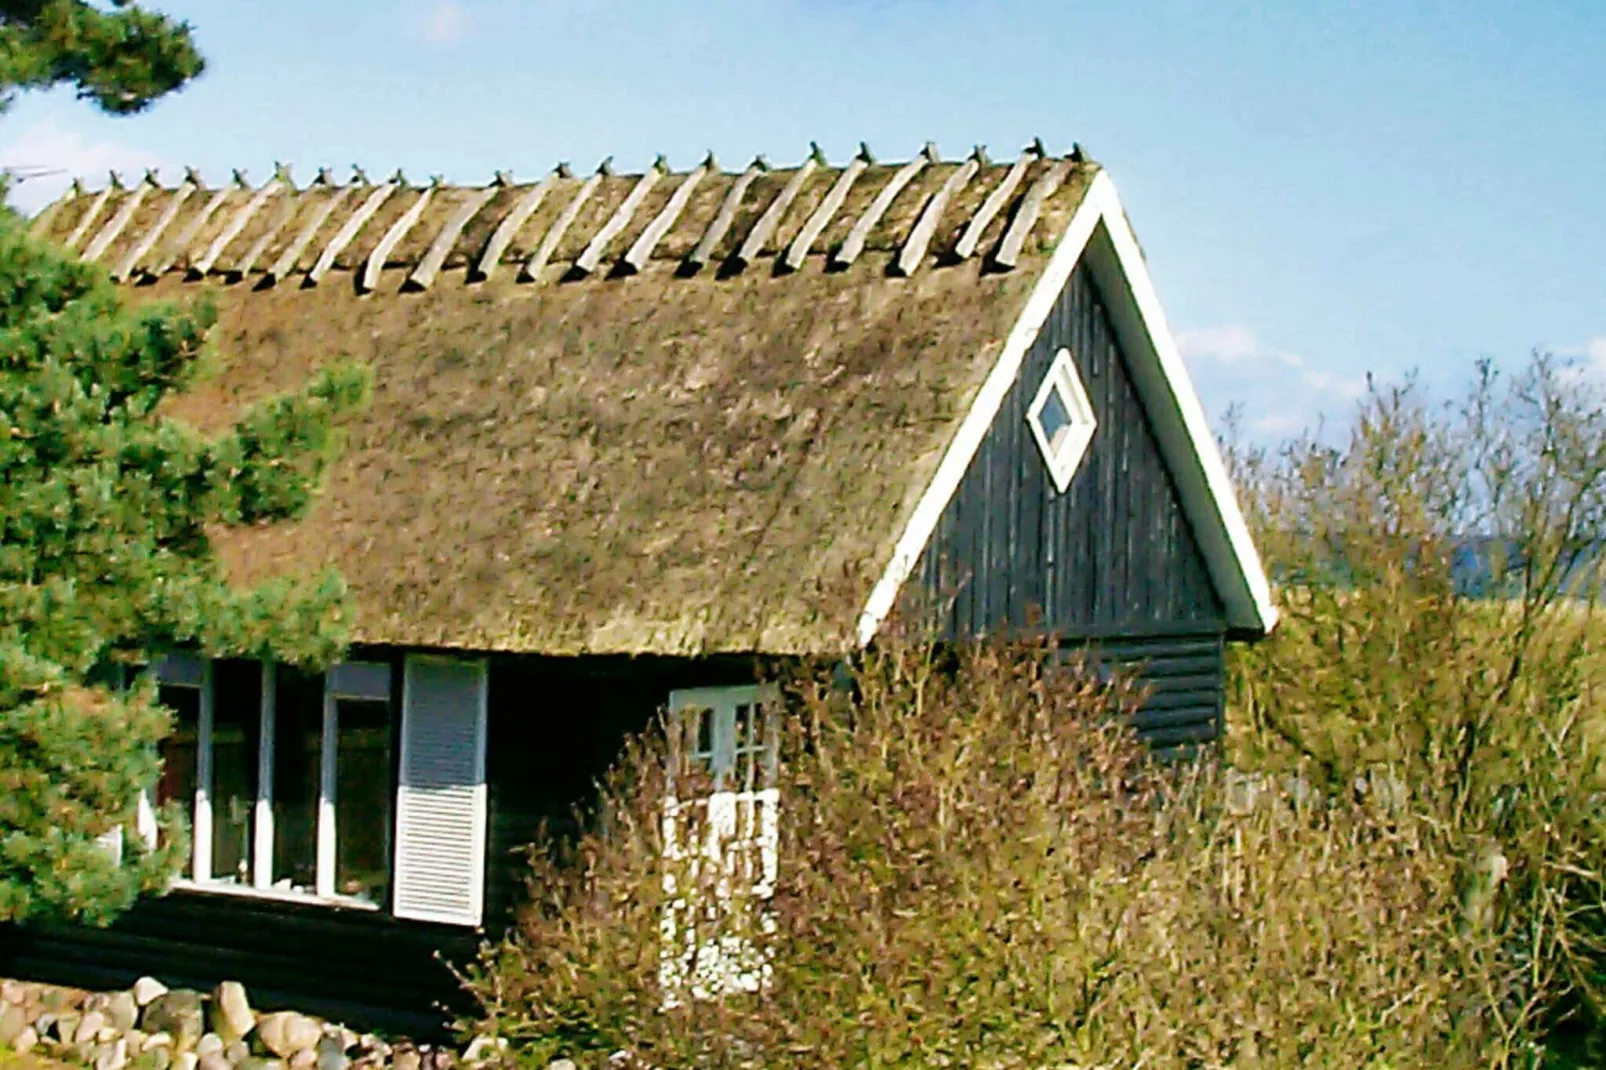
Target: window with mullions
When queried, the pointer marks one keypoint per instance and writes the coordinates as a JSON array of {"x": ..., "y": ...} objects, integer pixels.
[
  {"x": 287, "y": 778},
  {"x": 721, "y": 840}
]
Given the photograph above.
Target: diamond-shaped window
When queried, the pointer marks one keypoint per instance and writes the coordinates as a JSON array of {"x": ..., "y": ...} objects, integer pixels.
[{"x": 1062, "y": 419}]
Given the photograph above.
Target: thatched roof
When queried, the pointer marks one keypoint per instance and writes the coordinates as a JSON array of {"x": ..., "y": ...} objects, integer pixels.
[{"x": 669, "y": 452}]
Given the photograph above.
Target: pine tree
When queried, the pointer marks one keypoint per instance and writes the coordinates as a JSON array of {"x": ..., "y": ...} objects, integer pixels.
[{"x": 106, "y": 504}]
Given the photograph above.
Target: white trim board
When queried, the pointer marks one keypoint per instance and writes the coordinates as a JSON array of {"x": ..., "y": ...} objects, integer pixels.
[{"x": 1100, "y": 230}]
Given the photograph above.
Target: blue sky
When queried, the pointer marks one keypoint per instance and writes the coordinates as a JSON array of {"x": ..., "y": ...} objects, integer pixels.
[{"x": 1322, "y": 189}]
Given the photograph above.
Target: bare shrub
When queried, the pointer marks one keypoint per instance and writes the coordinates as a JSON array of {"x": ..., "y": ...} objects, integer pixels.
[{"x": 981, "y": 866}]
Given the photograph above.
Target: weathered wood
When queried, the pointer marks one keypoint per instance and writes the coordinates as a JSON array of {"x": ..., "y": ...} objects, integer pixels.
[
  {"x": 398, "y": 230},
  {"x": 439, "y": 249},
  {"x": 726, "y": 214},
  {"x": 47, "y": 215},
  {"x": 192, "y": 230},
  {"x": 118, "y": 223},
  {"x": 142, "y": 248},
  {"x": 287, "y": 212},
  {"x": 276, "y": 184},
  {"x": 854, "y": 244},
  {"x": 821, "y": 217},
  {"x": 592, "y": 255},
  {"x": 92, "y": 213},
  {"x": 1031, "y": 207},
  {"x": 641, "y": 250},
  {"x": 992, "y": 206},
  {"x": 549, "y": 244},
  {"x": 348, "y": 230},
  {"x": 913, "y": 253},
  {"x": 282, "y": 267},
  {"x": 508, "y": 228},
  {"x": 764, "y": 229}
]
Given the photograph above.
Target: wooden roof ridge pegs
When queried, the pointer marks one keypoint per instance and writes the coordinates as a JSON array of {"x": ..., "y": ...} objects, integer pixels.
[
  {"x": 441, "y": 247},
  {"x": 591, "y": 257},
  {"x": 508, "y": 228},
  {"x": 281, "y": 219},
  {"x": 726, "y": 214},
  {"x": 142, "y": 248},
  {"x": 764, "y": 229},
  {"x": 375, "y": 264},
  {"x": 821, "y": 218},
  {"x": 549, "y": 243},
  {"x": 914, "y": 248},
  {"x": 286, "y": 263},
  {"x": 41, "y": 222},
  {"x": 377, "y": 196},
  {"x": 641, "y": 249},
  {"x": 854, "y": 244},
  {"x": 182, "y": 245},
  {"x": 125, "y": 213},
  {"x": 93, "y": 212},
  {"x": 966, "y": 247},
  {"x": 1031, "y": 207},
  {"x": 276, "y": 184}
]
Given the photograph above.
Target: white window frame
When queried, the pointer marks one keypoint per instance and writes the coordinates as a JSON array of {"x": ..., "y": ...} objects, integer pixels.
[
  {"x": 1065, "y": 457},
  {"x": 348, "y": 680},
  {"x": 731, "y": 964}
]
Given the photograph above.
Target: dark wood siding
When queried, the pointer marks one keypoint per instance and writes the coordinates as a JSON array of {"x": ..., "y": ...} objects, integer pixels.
[
  {"x": 1181, "y": 677},
  {"x": 556, "y": 726},
  {"x": 1113, "y": 555},
  {"x": 363, "y": 967}
]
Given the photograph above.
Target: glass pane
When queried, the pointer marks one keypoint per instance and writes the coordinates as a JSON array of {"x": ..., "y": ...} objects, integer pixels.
[
  {"x": 1055, "y": 418},
  {"x": 297, "y": 752},
  {"x": 178, "y": 750},
  {"x": 236, "y": 732},
  {"x": 362, "y": 799}
]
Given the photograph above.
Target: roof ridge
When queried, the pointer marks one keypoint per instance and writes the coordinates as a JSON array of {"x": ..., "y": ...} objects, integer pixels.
[{"x": 608, "y": 224}]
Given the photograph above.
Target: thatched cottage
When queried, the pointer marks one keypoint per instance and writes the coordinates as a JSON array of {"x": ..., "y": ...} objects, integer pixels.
[{"x": 631, "y": 436}]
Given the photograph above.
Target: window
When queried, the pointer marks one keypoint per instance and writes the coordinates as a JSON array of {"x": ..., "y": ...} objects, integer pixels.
[
  {"x": 287, "y": 778},
  {"x": 1062, "y": 420},
  {"x": 721, "y": 840}
]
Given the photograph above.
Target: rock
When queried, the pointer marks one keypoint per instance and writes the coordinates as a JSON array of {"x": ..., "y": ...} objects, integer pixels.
[
  {"x": 209, "y": 1044},
  {"x": 212, "y": 1062},
  {"x": 180, "y": 1014},
  {"x": 232, "y": 1017},
  {"x": 284, "y": 1033},
  {"x": 121, "y": 1010},
  {"x": 484, "y": 1050},
  {"x": 66, "y": 1027},
  {"x": 258, "y": 1063},
  {"x": 136, "y": 1040},
  {"x": 112, "y": 1056},
  {"x": 332, "y": 1058},
  {"x": 146, "y": 989},
  {"x": 89, "y": 1027},
  {"x": 13, "y": 992},
  {"x": 339, "y": 1034},
  {"x": 237, "y": 1052},
  {"x": 158, "y": 1058},
  {"x": 185, "y": 1060},
  {"x": 561, "y": 1064},
  {"x": 25, "y": 1041},
  {"x": 13, "y": 1020},
  {"x": 156, "y": 1040},
  {"x": 371, "y": 1044},
  {"x": 305, "y": 1059},
  {"x": 439, "y": 1059},
  {"x": 106, "y": 1035},
  {"x": 406, "y": 1058}
]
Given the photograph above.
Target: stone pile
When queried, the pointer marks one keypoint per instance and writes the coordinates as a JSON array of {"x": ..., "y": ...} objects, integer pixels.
[{"x": 150, "y": 1027}]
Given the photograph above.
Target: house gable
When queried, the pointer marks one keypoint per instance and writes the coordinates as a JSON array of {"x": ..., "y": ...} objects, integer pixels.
[{"x": 1114, "y": 553}]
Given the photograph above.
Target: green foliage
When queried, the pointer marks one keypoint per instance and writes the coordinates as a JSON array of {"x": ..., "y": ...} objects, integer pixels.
[
  {"x": 122, "y": 59},
  {"x": 980, "y": 866},
  {"x": 106, "y": 505}
]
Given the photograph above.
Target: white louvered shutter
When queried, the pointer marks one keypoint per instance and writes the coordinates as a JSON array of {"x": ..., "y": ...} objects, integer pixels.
[{"x": 440, "y": 800}]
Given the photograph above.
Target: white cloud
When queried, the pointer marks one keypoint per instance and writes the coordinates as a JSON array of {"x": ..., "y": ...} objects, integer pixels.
[
  {"x": 1596, "y": 348},
  {"x": 66, "y": 154},
  {"x": 444, "y": 22},
  {"x": 1348, "y": 387},
  {"x": 1230, "y": 344}
]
